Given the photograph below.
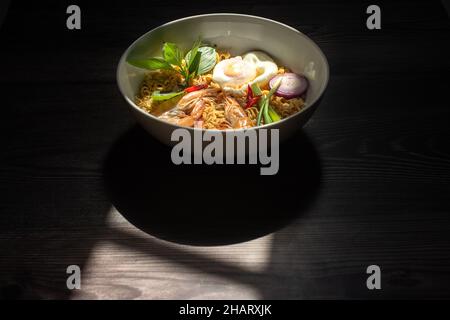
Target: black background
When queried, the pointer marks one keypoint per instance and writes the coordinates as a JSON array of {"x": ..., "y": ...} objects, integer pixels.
[{"x": 366, "y": 181}]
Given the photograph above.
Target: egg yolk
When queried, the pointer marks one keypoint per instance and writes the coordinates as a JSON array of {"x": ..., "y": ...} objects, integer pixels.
[{"x": 233, "y": 69}]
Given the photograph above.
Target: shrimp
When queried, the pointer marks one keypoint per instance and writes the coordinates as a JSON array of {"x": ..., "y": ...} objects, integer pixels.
[
  {"x": 190, "y": 108},
  {"x": 193, "y": 101},
  {"x": 177, "y": 117},
  {"x": 235, "y": 114}
]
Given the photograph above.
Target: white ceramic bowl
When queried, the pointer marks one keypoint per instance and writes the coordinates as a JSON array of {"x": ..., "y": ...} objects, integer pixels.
[{"x": 238, "y": 34}]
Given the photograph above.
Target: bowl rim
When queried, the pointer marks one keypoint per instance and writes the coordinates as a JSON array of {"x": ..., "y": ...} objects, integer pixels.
[{"x": 265, "y": 126}]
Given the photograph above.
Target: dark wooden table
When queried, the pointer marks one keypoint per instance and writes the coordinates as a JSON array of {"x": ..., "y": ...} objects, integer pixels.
[{"x": 366, "y": 182}]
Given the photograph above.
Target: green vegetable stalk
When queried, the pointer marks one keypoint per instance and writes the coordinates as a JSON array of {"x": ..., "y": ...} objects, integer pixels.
[
  {"x": 265, "y": 109},
  {"x": 158, "y": 96},
  {"x": 273, "y": 114},
  {"x": 267, "y": 118}
]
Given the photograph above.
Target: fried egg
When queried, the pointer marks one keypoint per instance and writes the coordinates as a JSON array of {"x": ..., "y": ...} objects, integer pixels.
[
  {"x": 235, "y": 74},
  {"x": 265, "y": 67}
]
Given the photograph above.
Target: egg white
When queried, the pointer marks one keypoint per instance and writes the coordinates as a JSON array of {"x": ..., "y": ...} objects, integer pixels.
[{"x": 265, "y": 68}]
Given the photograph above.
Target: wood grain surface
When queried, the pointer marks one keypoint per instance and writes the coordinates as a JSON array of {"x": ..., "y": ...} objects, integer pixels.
[{"x": 366, "y": 182}]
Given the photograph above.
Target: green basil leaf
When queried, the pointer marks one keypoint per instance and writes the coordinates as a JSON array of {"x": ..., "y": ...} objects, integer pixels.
[
  {"x": 193, "y": 67},
  {"x": 172, "y": 54},
  {"x": 158, "y": 96},
  {"x": 192, "y": 54},
  {"x": 151, "y": 64},
  {"x": 207, "y": 61}
]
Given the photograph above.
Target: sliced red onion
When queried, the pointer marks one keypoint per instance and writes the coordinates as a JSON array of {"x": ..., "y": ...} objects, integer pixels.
[{"x": 292, "y": 85}]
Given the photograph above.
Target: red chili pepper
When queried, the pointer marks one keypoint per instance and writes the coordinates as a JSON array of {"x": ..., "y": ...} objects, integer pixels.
[
  {"x": 251, "y": 98},
  {"x": 252, "y": 102},
  {"x": 195, "y": 88},
  {"x": 249, "y": 94}
]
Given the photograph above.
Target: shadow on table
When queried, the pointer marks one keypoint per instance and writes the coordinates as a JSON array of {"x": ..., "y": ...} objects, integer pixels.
[
  {"x": 208, "y": 205},
  {"x": 49, "y": 220},
  {"x": 196, "y": 205},
  {"x": 214, "y": 205}
]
